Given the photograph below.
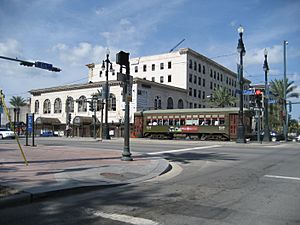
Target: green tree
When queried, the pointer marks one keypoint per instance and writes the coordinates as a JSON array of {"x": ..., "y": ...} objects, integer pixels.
[
  {"x": 277, "y": 90},
  {"x": 17, "y": 102},
  {"x": 222, "y": 98}
]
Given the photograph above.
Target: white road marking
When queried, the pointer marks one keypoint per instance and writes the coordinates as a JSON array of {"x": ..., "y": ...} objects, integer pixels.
[
  {"x": 184, "y": 150},
  {"x": 283, "y": 177},
  {"x": 122, "y": 218}
]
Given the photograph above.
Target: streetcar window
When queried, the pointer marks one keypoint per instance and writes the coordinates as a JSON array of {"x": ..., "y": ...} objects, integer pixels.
[
  {"x": 208, "y": 122},
  {"x": 166, "y": 122},
  {"x": 222, "y": 121},
  {"x": 149, "y": 122},
  {"x": 182, "y": 122},
  {"x": 215, "y": 122},
  {"x": 177, "y": 122},
  {"x": 171, "y": 122},
  {"x": 201, "y": 122},
  {"x": 154, "y": 123},
  {"x": 160, "y": 122}
]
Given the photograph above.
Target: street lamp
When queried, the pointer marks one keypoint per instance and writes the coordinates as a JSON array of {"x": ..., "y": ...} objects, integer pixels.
[
  {"x": 266, "y": 99},
  {"x": 107, "y": 66},
  {"x": 242, "y": 51},
  {"x": 286, "y": 118}
]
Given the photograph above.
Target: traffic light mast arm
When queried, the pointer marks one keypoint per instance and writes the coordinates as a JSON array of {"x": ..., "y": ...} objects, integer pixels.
[{"x": 41, "y": 65}]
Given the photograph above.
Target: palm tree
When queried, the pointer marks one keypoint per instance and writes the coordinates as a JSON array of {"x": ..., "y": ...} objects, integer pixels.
[
  {"x": 17, "y": 102},
  {"x": 277, "y": 90},
  {"x": 222, "y": 98}
]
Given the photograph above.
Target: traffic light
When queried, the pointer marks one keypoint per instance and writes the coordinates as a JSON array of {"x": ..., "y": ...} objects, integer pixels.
[
  {"x": 258, "y": 98},
  {"x": 91, "y": 106},
  {"x": 69, "y": 117}
]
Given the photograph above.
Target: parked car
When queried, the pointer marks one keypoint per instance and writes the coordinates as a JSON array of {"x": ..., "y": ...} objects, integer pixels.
[
  {"x": 298, "y": 138},
  {"x": 6, "y": 133}
]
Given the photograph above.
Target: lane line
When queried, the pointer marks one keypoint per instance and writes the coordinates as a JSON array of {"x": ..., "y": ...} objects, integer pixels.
[
  {"x": 122, "y": 218},
  {"x": 184, "y": 150},
  {"x": 282, "y": 177}
]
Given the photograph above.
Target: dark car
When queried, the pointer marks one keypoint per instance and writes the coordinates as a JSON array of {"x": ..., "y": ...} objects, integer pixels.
[{"x": 47, "y": 134}]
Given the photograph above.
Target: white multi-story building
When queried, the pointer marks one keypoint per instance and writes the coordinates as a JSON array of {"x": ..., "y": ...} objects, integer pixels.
[{"x": 181, "y": 79}]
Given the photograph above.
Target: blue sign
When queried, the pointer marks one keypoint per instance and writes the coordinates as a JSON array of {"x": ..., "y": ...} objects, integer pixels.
[
  {"x": 30, "y": 123},
  {"x": 248, "y": 92}
]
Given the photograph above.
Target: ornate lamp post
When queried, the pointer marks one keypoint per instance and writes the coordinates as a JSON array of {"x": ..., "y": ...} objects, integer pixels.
[
  {"x": 242, "y": 51},
  {"x": 266, "y": 99},
  {"x": 107, "y": 66}
]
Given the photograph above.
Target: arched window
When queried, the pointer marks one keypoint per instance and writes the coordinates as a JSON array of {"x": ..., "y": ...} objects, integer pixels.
[
  {"x": 157, "y": 102},
  {"x": 57, "y": 105},
  {"x": 47, "y": 106},
  {"x": 170, "y": 103},
  {"x": 180, "y": 104},
  {"x": 112, "y": 106},
  {"x": 36, "y": 106},
  {"x": 69, "y": 104},
  {"x": 82, "y": 105}
]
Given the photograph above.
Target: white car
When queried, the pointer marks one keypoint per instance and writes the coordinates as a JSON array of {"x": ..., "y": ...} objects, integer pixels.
[
  {"x": 298, "y": 138},
  {"x": 6, "y": 133}
]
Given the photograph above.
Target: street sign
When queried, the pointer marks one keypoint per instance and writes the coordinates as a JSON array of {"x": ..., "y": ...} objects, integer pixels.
[
  {"x": 30, "y": 123},
  {"x": 248, "y": 92},
  {"x": 43, "y": 65}
]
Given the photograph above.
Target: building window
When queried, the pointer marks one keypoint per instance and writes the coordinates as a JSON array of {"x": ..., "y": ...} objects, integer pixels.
[
  {"x": 82, "y": 104},
  {"x": 203, "y": 95},
  {"x": 170, "y": 103},
  {"x": 190, "y": 78},
  {"x": 199, "y": 94},
  {"x": 153, "y": 67},
  {"x": 47, "y": 107},
  {"x": 214, "y": 74},
  {"x": 36, "y": 106},
  {"x": 153, "y": 79},
  {"x": 199, "y": 68},
  {"x": 195, "y": 93},
  {"x": 191, "y": 105},
  {"x": 195, "y": 66},
  {"x": 195, "y": 105},
  {"x": 195, "y": 79},
  {"x": 211, "y": 72},
  {"x": 136, "y": 69},
  {"x": 112, "y": 106},
  {"x": 203, "y": 82},
  {"x": 161, "y": 79},
  {"x": 161, "y": 66},
  {"x": 191, "y": 64},
  {"x": 203, "y": 69},
  {"x": 199, "y": 80},
  {"x": 169, "y": 78},
  {"x": 69, "y": 104},
  {"x": 157, "y": 102},
  {"x": 180, "y": 104},
  {"x": 57, "y": 105},
  {"x": 221, "y": 77},
  {"x": 169, "y": 65},
  {"x": 190, "y": 91},
  {"x": 211, "y": 85},
  {"x": 218, "y": 76},
  {"x": 144, "y": 68}
]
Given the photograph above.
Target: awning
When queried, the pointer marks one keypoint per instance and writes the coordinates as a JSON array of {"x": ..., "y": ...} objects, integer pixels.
[
  {"x": 83, "y": 120},
  {"x": 47, "y": 121}
]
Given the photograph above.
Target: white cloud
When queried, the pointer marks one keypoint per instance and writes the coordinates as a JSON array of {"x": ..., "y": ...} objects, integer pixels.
[
  {"x": 10, "y": 48},
  {"x": 256, "y": 56}
]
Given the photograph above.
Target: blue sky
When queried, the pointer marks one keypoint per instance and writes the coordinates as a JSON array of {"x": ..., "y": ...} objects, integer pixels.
[{"x": 71, "y": 33}]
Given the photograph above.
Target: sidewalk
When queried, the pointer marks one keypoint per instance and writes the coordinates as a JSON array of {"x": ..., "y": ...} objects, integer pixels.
[{"x": 55, "y": 169}]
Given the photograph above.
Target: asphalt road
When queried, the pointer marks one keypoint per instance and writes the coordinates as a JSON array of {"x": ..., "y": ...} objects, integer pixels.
[{"x": 210, "y": 183}]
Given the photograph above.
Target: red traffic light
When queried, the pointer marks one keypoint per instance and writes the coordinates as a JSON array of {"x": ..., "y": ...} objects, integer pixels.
[{"x": 258, "y": 92}]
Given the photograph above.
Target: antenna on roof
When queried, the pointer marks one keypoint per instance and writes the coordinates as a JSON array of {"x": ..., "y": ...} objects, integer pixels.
[{"x": 177, "y": 45}]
